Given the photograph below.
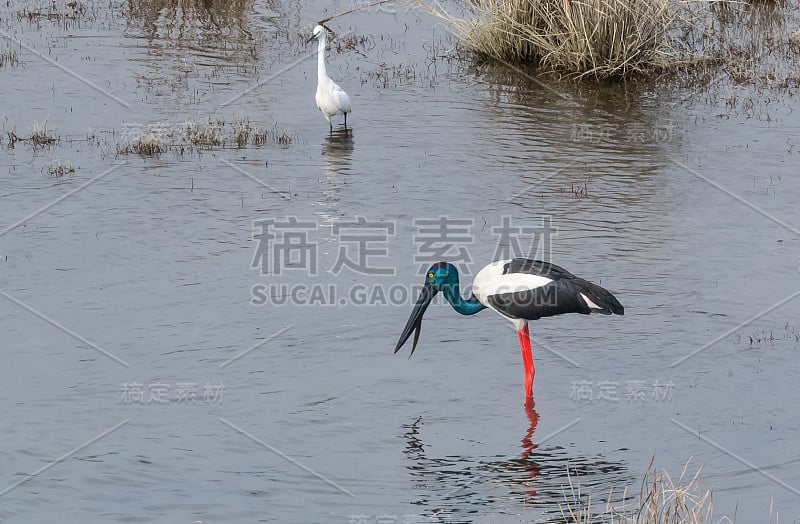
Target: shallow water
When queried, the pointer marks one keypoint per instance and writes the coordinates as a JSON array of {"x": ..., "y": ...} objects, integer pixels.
[{"x": 683, "y": 206}]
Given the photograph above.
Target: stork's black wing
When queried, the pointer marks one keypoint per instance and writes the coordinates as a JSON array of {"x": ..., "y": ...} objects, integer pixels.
[{"x": 565, "y": 294}]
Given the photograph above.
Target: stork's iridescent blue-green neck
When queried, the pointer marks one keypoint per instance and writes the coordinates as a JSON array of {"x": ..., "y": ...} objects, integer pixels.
[
  {"x": 440, "y": 277},
  {"x": 443, "y": 277}
]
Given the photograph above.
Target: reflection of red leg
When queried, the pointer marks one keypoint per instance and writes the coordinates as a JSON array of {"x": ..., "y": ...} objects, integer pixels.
[
  {"x": 530, "y": 411},
  {"x": 528, "y": 446},
  {"x": 527, "y": 359},
  {"x": 533, "y": 418}
]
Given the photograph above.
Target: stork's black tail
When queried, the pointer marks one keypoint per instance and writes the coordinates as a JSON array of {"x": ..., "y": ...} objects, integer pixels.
[{"x": 599, "y": 300}]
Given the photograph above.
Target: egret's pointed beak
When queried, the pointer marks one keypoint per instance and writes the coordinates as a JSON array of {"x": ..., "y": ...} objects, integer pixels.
[
  {"x": 414, "y": 323},
  {"x": 310, "y": 38}
]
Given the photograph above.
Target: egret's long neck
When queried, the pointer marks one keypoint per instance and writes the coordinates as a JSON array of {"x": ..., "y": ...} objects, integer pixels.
[
  {"x": 322, "y": 75},
  {"x": 453, "y": 295}
]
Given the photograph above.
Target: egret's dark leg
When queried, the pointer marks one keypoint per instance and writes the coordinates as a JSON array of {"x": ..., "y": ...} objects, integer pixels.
[
  {"x": 330, "y": 124},
  {"x": 527, "y": 359},
  {"x": 345, "y": 120}
]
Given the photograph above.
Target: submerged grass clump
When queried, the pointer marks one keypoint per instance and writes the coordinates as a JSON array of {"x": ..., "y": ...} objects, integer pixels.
[
  {"x": 661, "y": 500},
  {"x": 40, "y": 136},
  {"x": 244, "y": 133},
  {"x": 259, "y": 136},
  {"x": 9, "y": 57},
  {"x": 241, "y": 134},
  {"x": 150, "y": 143},
  {"x": 195, "y": 137},
  {"x": 58, "y": 168},
  {"x": 206, "y": 135},
  {"x": 54, "y": 11},
  {"x": 794, "y": 39}
]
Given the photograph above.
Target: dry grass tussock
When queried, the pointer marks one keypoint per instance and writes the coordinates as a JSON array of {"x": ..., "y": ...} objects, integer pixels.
[
  {"x": 602, "y": 39},
  {"x": 661, "y": 500},
  {"x": 597, "y": 38}
]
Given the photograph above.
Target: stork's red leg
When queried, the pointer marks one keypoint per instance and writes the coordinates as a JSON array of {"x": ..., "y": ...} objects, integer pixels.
[{"x": 527, "y": 359}]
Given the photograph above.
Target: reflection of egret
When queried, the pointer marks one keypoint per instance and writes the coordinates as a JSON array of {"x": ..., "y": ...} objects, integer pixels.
[
  {"x": 520, "y": 290},
  {"x": 337, "y": 150},
  {"x": 331, "y": 99}
]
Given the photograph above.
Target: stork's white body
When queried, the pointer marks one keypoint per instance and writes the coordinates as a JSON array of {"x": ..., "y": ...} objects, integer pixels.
[{"x": 512, "y": 287}]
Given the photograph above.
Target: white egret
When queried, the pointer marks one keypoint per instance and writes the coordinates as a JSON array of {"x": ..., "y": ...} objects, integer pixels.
[{"x": 331, "y": 99}]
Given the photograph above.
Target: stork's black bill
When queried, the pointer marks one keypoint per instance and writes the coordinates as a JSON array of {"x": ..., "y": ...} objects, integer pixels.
[{"x": 414, "y": 323}]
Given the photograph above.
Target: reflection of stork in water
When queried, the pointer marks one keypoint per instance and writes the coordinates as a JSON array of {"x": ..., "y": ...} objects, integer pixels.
[
  {"x": 468, "y": 476},
  {"x": 460, "y": 486}
]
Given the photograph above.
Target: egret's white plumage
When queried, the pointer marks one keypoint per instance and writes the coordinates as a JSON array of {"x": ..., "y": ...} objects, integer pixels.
[{"x": 331, "y": 99}]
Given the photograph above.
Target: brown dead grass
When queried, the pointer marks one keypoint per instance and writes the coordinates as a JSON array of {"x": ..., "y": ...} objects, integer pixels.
[{"x": 661, "y": 500}]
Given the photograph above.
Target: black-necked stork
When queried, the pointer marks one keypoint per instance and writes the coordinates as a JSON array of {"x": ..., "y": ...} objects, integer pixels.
[{"x": 519, "y": 289}]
